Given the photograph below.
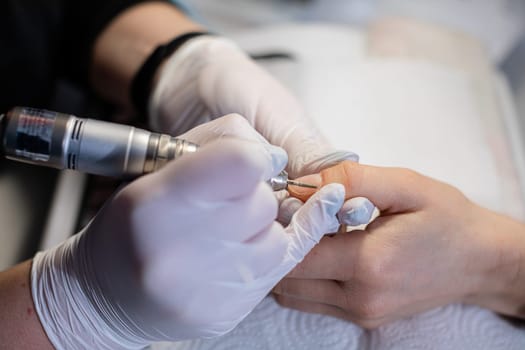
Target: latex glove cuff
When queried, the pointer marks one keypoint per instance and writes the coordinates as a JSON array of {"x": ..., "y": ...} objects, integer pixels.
[
  {"x": 329, "y": 160},
  {"x": 71, "y": 308}
]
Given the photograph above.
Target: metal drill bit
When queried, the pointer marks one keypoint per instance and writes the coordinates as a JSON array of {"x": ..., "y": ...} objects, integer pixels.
[{"x": 300, "y": 184}]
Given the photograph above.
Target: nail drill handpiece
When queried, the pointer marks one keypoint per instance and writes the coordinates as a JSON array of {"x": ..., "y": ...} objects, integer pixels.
[{"x": 65, "y": 141}]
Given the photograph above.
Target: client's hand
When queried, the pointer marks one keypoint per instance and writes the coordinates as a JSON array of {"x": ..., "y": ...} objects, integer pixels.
[
  {"x": 431, "y": 246},
  {"x": 183, "y": 253}
]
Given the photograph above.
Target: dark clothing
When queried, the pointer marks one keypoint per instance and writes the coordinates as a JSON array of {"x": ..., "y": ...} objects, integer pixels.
[{"x": 42, "y": 41}]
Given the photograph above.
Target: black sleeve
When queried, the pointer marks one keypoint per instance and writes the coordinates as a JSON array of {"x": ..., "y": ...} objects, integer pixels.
[
  {"x": 83, "y": 21},
  {"x": 43, "y": 40}
]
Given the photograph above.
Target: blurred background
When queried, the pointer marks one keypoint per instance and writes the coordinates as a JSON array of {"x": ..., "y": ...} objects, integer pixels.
[{"x": 498, "y": 24}]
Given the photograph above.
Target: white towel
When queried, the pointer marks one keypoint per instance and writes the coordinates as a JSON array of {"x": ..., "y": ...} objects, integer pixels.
[{"x": 452, "y": 327}]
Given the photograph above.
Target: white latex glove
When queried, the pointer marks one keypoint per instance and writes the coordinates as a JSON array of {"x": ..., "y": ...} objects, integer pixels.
[
  {"x": 354, "y": 212},
  {"x": 182, "y": 253},
  {"x": 210, "y": 76}
]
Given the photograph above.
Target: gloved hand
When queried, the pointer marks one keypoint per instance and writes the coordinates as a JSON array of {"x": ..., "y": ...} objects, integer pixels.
[
  {"x": 210, "y": 76},
  {"x": 185, "y": 252}
]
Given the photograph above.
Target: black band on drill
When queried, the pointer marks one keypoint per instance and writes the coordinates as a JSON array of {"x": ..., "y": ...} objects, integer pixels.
[{"x": 141, "y": 84}]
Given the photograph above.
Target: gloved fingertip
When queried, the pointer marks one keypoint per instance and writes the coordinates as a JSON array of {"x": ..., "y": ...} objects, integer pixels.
[
  {"x": 314, "y": 219},
  {"x": 327, "y": 161},
  {"x": 287, "y": 209},
  {"x": 303, "y": 193},
  {"x": 281, "y": 195},
  {"x": 353, "y": 157},
  {"x": 346, "y": 155},
  {"x": 279, "y": 159},
  {"x": 356, "y": 211},
  {"x": 332, "y": 196}
]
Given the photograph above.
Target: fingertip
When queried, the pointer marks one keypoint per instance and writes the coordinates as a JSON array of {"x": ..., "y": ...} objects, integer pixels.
[
  {"x": 335, "y": 189},
  {"x": 262, "y": 156},
  {"x": 278, "y": 160},
  {"x": 333, "y": 195},
  {"x": 356, "y": 211},
  {"x": 315, "y": 218},
  {"x": 328, "y": 201},
  {"x": 301, "y": 193},
  {"x": 287, "y": 209}
]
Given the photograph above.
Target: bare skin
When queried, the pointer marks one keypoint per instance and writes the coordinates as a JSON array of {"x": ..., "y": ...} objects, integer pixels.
[
  {"x": 118, "y": 53},
  {"x": 126, "y": 43},
  {"x": 21, "y": 328},
  {"x": 430, "y": 247}
]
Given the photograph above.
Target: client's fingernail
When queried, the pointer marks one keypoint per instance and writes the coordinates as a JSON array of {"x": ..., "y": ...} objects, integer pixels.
[
  {"x": 304, "y": 193},
  {"x": 356, "y": 211},
  {"x": 313, "y": 179},
  {"x": 279, "y": 159}
]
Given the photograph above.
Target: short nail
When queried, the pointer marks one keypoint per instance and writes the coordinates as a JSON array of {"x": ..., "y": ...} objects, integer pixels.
[{"x": 313, "y": 179}]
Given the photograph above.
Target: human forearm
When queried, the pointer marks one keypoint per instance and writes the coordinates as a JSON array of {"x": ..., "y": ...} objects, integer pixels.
[
  {"x": 130, "y": 38},
  {"x": 502, "y": 286},
  {"x": 21, "y": 328}
]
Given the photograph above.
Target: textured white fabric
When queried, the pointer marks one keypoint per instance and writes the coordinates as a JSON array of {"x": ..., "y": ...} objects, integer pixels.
[{"x": 453, "y": 327}]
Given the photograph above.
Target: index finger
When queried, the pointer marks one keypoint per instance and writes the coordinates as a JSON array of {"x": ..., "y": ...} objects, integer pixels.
[{"x": 390, "y": 189}]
